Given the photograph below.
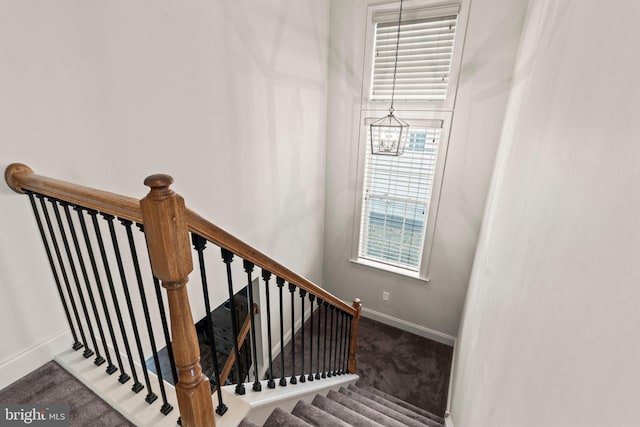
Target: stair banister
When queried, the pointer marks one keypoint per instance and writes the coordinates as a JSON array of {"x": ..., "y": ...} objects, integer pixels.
[
  {"x": 220, "y": 237},
  {"x": 165, "y": 220},
  {"x": 167, "y": 223},
  {"x": 167, "y": 234}
]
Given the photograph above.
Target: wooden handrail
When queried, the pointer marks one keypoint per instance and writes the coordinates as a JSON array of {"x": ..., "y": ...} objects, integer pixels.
[
  {"x": 20, "y": 178},
  {"x": 228, "y": 365},
  {"x": 222, "y": 238}
]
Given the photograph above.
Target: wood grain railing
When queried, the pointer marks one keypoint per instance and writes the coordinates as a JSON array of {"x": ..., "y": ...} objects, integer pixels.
[
  {"x": 216, "y": 235},
  {"x": 20, "y": 178},
  {"x": 167, "y": 223}
]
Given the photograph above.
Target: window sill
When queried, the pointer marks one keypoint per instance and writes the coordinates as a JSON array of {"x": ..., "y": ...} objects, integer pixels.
[{"x": 390, "y": 269}]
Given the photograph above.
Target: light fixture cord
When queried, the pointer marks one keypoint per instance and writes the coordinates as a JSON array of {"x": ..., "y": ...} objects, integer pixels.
[{"x": 395, "y": 64}]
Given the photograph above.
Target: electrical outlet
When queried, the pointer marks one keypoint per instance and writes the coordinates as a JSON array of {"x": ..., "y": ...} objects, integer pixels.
[{"x": 386, "y": 296}]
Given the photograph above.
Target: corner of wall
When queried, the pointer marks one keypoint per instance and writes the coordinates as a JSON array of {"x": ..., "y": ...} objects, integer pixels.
[
  {"x": 409, "y": 327},
  {"x": 22, "y": 363}
]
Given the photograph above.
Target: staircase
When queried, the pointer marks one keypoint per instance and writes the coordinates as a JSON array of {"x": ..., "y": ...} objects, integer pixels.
[
  {"x": 352, "y": 406},
  {"x": 112, "y": 255}
]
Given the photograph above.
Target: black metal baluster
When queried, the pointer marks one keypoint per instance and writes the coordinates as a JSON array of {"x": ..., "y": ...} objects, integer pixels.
[
  {"x": 94, "y": 267},
  {"x": 124, "y": 377},
  {"x": 342, "y": 334},
  {"x": 87, "y": 351},
  {"x": 303, "y": 294},
  {"x": 163, "y": 319},
  {"x": 331, "y": 339},
  {"x": 280, "y": 284},
  {"x": 266, "y": 275},
  {"x": 76, "y": 344},
  {"x": 99, "y": 360},
  {"x": 283, "y": 380},
  {"x": 319, "y": 302},
  {"x": 166, "y": 408},
  {"x": 339, "y": 366},
  {"x": 325, "y": 306},
  {"x": 350, "y": 321},
  {"x": 248, "y": 268},
  {"x": 199, "y": 244},
  {"x": 345, "y": 356},
  {"x": 227, "y": 258},
  {"x": 311, "y": 299},
  {"x": 345, "y": 317},
  {"x": 247, "y": 356},
  {"x": 293, "y": 379},
  {"x": 339, "y": 343},
  {"x": 137, "y": 386},
  {"x": 165, "y": 330}
]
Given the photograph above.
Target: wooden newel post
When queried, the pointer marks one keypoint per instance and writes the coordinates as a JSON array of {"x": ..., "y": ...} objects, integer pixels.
[
  {"x": 167, "y": 233},
  {"x": 353, "y": 341}
]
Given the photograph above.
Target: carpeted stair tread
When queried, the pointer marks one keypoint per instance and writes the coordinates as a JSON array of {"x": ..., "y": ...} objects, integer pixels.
[
  {"x": 316, "y": 416},
  {"x": 246, "y": 423},
  {"x": 364, "y": 410},
  {"x": 401, "y": 402},
  {"x": 280, "y": 418},
  {"x": 351, "y": 406},
  {"x": 381, "y": 402},
  {"x": 345, "y": 414},
  {"x": 382, "y": 409}
]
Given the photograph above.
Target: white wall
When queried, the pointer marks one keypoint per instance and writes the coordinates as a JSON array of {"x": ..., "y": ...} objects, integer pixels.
[
  {"x": 228, "y": 97},
  {"x": 550, "y": 328},
  {"x": 489, "y": 52}
]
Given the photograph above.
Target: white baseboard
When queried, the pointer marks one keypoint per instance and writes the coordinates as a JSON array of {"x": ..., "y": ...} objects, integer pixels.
[
  {"x": 448, "y": 421},
  {"x": 409, "y": 327},
  {"x": 32, "y": 358}
]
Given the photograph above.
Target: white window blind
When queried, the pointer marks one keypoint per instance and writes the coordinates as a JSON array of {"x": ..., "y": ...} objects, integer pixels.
[
  {"x": 424, "y": 56},
  {"x": 396, "y": 199}
]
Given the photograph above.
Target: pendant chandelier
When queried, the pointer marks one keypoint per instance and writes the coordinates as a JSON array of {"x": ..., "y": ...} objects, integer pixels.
[{"x": 389, "y": 134}]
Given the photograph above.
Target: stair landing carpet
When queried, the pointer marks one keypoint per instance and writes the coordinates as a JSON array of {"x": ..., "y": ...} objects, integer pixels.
[
  {"x": 407, "y": 366},
  {"x": 52, "y": 384},
  {"x": 358, "y": 406}
]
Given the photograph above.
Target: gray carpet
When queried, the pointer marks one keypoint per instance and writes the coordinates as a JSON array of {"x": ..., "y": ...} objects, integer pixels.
[
  {"x": 352, "y": 406},
  {"x": 409, "y": 367},
  {"x": 406, "y": 366},
  {"x": 51, "y": 384}
]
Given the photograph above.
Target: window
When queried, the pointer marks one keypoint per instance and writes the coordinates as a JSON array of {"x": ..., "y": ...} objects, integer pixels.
[
  {"x": 397, "y": 192},
  {"x": 398, "y": 199},
  {"x": 424, "y": 59}
]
